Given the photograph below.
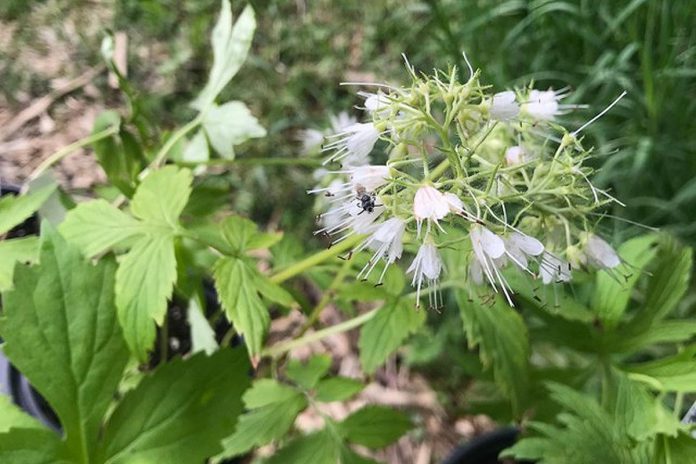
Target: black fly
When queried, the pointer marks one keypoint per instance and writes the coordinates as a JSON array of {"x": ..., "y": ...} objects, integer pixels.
[{"x": 366, "y": 200}]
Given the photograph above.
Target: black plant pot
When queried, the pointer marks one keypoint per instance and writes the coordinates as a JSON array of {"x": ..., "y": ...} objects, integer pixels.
[{"x": 485, "y": 448}]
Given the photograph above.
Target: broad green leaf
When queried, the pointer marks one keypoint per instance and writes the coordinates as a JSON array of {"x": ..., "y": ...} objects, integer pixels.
[
  {"x": 501, "y": 335},
  {"x": 162, "y": 196},
  {"x": 144, "y": 282},
  {"x": 230, "y": 49},
  {"x": 308, "y": 374},
  {"x": 264, "y": 240},
  {"x": 196, "y": 150},
  {"x": 13, "y": 417},
  {"x": 22, "y": 250},
  {"x": 612, "y": 294},
  {"x": 375, "y": 426},
  {"x": 202, "y": 335},
  {"x": 238, "y": 232},
  {"x": 32, "y": 446},
  {"x": 638, "y": 414},
  {"x": 337, "y": 389},
  {"x": 275, "y": 408},
  {"x": 235, "y": 283},
  {"x": 673, "y": 374},
  {"x": 676, "y": 450},
  {"x": 386, "y": 332},
  {"x": 229, "y": 125},
  {"x": 316, "y": 448},
  {"x": 97, "y": 226},
  {"x": 180, "y": 413},
  {"x": 666, "y": 287},
  {"x": 64, "y": 309},
  {"x": 268, "y": 391},
  {"x": 348, "y": 456},
  {"x": 16, "y": 209}
]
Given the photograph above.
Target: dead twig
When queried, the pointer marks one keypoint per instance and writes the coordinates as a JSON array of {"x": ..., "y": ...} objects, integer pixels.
[{"x": 40, "y": 105}]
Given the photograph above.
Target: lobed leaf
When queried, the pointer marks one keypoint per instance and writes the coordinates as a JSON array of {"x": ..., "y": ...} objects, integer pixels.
[
  {"x": 16, "y": 209},
  {"x": 375, "y": 426},
  {"x": 144, "y": 282},
  {"x": 385, "y": 332}
]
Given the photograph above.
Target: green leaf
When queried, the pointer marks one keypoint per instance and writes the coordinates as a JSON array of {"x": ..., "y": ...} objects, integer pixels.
[
  {"x": 97, "y": 226},
  {"x": 274, "y": 409},
  {"x": 144, "y": 282},
  {"x": 120, "y": 157},
  {"x": 235, "y": 284},
  {"x": 612, "y": 295},
  {"x": 316, "y": 448},
  {"x": 13, "y": 417},
  {"x": 337, "y": 389},
  {"x": 268, "y": 391},
  {"x": 676, "y": 450},
  {"x": 634, "y": 337},
  {"x": 238, "y": 232},
  {"x": 348, "y": 456},
  {"x": 638, "y": 414},
  {"x": 666, "y": 287},
  {"x": 230, "y": 48},
  {"x": 229, "y": 125},
  {"x": 386, "y": 332},
  {"x": 32, "y": 446},
  {"x": 308, "y": 374},
  {"x": 672, "y": 374},
  {"x": 23, "y": 250},
  {"x": 16, "y": 209},
  {"x": 272, "y": 291},
  {"x": 180, "y": 413},
  {"x": 202, "y": 335},
  {"x": 375, "y": 426},
  {"x": 64, "y": 310},
  {"x": 162, "y": 196},
  {"x": 586, "y": 435},
  {"x": 501, "y": 335}
]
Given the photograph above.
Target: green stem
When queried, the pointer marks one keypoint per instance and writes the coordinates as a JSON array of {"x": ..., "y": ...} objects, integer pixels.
[
  {"x": 281, "y": 348},
  {"x": 315, "y": 259},
  {"x": 439, "y": 170},
  {"x": 68, "y": 149},
  {"x": 326, "y": 297},
  {"x": 171, "y": 141}
]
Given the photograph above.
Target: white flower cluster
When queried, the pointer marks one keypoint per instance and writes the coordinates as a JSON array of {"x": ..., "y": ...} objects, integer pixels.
[{"x": 493, "y": 176}]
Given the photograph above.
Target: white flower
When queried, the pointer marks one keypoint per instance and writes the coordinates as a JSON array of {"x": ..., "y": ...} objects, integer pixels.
[
  {"x": 375, "y": 102},
  {"x": 504, "y": 107},
  {"x": 543, "y": 105},
  {"x": 515, "y": 155},
  {"x": 341, "y": 121},
  {"x": 554, "y": 269},
  {"x": 427, "y": 266},
  {"x": 369, "y": 178},
  {"x": 519, "y": 246},
  {"x": 355, "y": 141},
  {"x": 430, "y": 204},
  {"x": 311, "y": 140},
  {"x": 386, "y": 241},
  {"x": 347, "y": 218},
  {"x": 600, "y": 254},
  {"x": 489, "y": 258}
]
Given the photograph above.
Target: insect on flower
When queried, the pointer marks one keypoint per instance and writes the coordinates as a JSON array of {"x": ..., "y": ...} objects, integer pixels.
[{"x": 366, "y": 200}]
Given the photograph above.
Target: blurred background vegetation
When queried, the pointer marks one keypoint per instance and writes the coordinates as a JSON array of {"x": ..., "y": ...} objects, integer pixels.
[{"x": 646, "y": 146}]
